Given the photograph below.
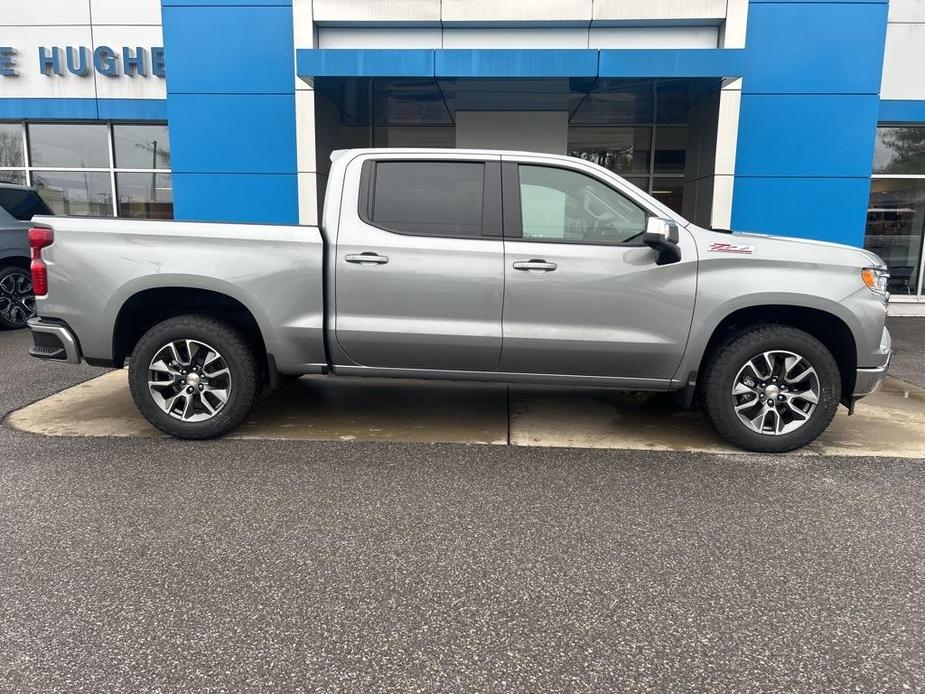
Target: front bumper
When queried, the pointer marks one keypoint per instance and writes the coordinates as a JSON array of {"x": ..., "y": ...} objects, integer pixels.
[
  {"x": 53, "y": 341},
  {"x": 869, "y": 379}
]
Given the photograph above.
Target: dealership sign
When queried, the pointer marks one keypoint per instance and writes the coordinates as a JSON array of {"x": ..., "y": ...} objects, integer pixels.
[{"x": 80, "y": 61}]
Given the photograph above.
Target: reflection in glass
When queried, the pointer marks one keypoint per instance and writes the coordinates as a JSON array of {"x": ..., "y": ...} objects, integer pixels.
[
  {"x": 669, "y": 191},
  {"x": 75, "y": 193},
  {"x": 18, "y": 177},
  {"x": 141, "y": 146},
  {"x": 69, "y": 145},
  {"x": 895, "y": 222},
  {"x": 900, "y": 150},
  {"x": 622, "y": 150},
  {"x": 641, "y": 182},
  {"x": 146, "y": 195},
  {"x": 11, "y": 145},
  {"x": 670, "y": 149}
]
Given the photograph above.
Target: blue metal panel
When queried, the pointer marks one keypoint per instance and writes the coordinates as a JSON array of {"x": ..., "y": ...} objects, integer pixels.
[
  {"x": 83, "y": 109},
  {"x": 515, "y": 63},
  {"x": 221, "y": 50},
  {"x": 700, "y": 62},
  {"x": 132, "y": 109},
  {"x": 815, "y": 48},
  {"x": 220, "y": 3},
  {"x": 829, "y": 209},
  {"x": 897, "y": 111},
  {"x": 232, "y": 133},
  {"x": 806, "y": 135},
  {"x": 267, "y": 199},
  {"x": 371, "y": 62},
  {"x": 77, "y": 109}
]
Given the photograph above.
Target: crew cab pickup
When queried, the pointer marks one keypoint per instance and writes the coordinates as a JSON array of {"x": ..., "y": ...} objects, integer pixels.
[{"x": 474, "y": 265}]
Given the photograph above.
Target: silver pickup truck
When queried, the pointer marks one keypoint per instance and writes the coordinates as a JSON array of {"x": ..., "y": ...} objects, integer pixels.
[{"x": 474, "y": 265}]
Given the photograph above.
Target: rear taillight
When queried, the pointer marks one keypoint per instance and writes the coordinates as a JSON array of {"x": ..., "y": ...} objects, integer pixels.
[{"x": 39, "y": 238}]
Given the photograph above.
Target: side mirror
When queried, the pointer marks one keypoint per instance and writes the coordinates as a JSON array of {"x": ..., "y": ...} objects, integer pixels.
[{"x": 662, "y": 235}]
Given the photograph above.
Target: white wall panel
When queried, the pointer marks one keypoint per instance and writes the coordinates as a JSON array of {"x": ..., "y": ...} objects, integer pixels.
[
  {"x": 43, "y": 12},
  {"x": 517, "y": 11},
  {"x": 907, "y": 11},
  {"x": 734, "y": 29},
  {"x": 641, "y": 10},
  {"x": 360, "y": 11},
  {"x": 379, "y": 37},
  {"x": 125, "y": 11},
  {"x": 903, "y": 76},
  {"x": 533, "y": 131},
  {"x": 654, "y": 37},
  {"x": 31, "y": 83},
  {"x": 124, "y": 86},
  {"x": 560, "y": 37}
]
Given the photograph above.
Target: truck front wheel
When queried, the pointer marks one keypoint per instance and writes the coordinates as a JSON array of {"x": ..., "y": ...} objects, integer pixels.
[
  {"x": 194, "y": 377},
  {"x": 771, "y": 388}
]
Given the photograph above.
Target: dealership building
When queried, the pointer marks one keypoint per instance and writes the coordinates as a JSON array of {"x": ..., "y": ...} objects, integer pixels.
[{"x": 784, "y": 117}]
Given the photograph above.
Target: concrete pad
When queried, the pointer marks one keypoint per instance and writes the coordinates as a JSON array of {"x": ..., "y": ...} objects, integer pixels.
[{"x": 888, "y": 423}]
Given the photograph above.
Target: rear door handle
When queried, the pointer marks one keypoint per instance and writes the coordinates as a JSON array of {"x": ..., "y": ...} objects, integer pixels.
[
  {"x": 367, "y": 258},
  {"x": 535, "y": 265}
]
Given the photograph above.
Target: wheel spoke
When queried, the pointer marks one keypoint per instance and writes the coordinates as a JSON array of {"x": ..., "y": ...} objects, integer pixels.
[
  {"x": 171, "y": 389},
  {"x": 786, "y": 408}
]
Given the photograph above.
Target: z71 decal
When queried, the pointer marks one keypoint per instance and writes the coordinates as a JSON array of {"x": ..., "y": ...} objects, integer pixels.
[{"x": 731, "y": 248}]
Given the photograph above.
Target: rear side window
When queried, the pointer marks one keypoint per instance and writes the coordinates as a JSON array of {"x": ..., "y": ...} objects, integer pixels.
[
  {"x": 429, "y": 198},
  {"x": 22, "y": 204}
]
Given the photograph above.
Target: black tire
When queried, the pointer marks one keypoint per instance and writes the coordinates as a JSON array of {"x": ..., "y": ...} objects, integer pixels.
[
  {"x": 723, "y": 367},
  {"x": 238, "y": 356},
  {"x": 17, "y": 304}
]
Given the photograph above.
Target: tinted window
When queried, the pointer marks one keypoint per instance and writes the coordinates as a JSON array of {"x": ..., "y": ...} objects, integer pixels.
[
  {"x": 562, "y": 205},
  {"x": 22, "y": 204},
  {"x": 900, "y": 150},
  {"x": 429, "y": 198},
  {"x": 71, "y": 145},
  {"x": 141, "y": 146}
]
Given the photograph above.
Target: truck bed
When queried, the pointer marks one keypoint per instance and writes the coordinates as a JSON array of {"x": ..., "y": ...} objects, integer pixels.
[{"x": 98, "y": 267}]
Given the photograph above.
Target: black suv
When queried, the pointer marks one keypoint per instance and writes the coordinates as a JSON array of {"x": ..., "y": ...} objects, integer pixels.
[{"x": 18, "y": 204}]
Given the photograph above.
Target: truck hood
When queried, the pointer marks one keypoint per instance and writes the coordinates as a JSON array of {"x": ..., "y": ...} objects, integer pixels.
[{"x": 786, "y": 248}]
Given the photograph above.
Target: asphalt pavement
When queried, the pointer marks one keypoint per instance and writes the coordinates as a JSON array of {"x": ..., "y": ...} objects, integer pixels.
[{"x": 157, "y": 565}]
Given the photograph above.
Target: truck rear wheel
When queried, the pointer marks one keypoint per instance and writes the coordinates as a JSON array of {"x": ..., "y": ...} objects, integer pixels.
[
  {"x": 771, "y": 389},
  {"x": 194, "y": 377}
]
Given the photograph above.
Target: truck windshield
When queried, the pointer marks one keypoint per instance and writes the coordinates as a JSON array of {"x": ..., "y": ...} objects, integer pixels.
[{"x": 22, "y": 203}]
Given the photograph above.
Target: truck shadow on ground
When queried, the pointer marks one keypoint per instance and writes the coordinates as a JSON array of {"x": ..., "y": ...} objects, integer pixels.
[{"x": 889, "y": 423}]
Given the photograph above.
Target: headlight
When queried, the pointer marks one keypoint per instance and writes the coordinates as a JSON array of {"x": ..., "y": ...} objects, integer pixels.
[{"x": 876, "y": 279}]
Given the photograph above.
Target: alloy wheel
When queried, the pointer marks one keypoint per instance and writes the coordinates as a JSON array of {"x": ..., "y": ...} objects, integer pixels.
[
  {"x": 189, "y": 380},
  {"x": 775, "y": 392},
  {"x": 17, "y": 304}
]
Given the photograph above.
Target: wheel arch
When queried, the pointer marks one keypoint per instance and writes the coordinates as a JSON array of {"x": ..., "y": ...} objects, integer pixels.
[
  {"x": 827, "y": 327},
  {"x": 14, "y": 261},
  {"x": 147, "y": 307}
]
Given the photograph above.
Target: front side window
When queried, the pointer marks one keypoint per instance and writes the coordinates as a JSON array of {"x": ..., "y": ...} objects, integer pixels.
[
  {"x": 568, "y": 206},
  {"x": 431, "y": 198}
]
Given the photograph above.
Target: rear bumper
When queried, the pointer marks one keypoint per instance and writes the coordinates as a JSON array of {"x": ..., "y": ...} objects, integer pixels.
[{"x": 53, "y": 341}]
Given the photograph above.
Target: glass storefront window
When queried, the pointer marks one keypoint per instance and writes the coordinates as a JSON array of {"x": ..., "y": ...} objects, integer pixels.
[
  {"x": 900, "y": 150},
  {"x": 145, "y": 195},
  {"x": 69, "y": 146},
  {"x": 141, "y": 146},
  {"x": 13, "y": 176},
  {"x": 896, "y": 210},
  {"x": 622, "y": 150},
  {"x": 11, "y": 152},
  {"x": 93, "y": 169},
  {"x": 895, "y": 225},
  {"x": 84, "y": 193},
  {"x": 670, "y": 150},
  {"x": 668, "y": 191}
]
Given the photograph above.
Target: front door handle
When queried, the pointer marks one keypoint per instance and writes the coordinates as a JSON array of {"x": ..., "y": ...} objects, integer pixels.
[
  {"x": 535, "y": 265},
  {"x": 367, "y": 258}
]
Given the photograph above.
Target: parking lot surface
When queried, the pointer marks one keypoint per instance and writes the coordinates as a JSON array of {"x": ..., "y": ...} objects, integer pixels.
[{"x": 142, "y": 564}]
